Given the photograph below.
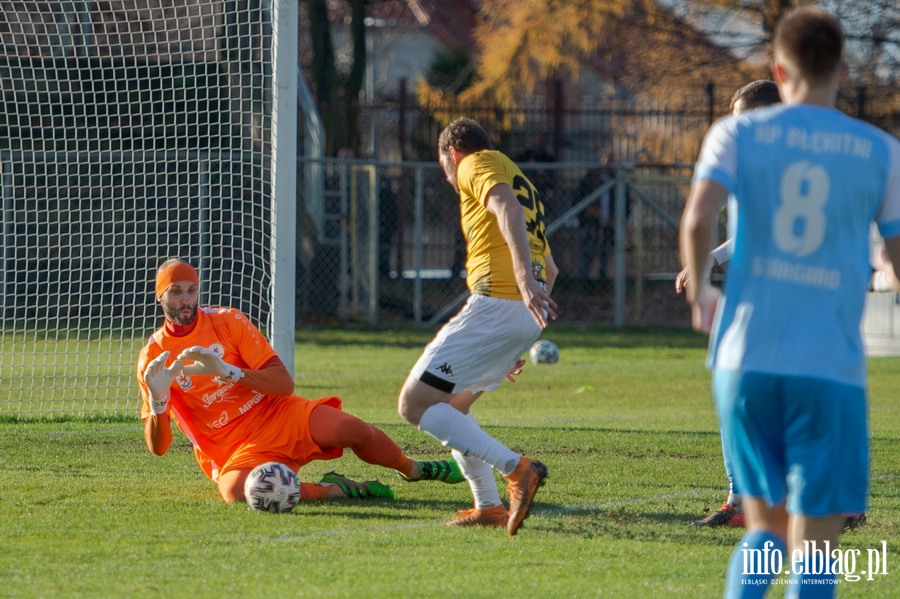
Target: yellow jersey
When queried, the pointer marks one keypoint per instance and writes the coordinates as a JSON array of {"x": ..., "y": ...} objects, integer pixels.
[{"x": 489, "y": 262}]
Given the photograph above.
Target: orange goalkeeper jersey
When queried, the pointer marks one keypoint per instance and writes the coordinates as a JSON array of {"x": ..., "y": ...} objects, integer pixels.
[{"x": 217, "y": 417}]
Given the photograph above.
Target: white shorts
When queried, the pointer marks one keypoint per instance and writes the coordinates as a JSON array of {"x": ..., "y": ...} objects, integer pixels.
[{"x": 478, "y": 347}]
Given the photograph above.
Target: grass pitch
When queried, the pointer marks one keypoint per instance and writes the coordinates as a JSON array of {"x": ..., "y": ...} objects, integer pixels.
[{"x": 625, "y": 423}]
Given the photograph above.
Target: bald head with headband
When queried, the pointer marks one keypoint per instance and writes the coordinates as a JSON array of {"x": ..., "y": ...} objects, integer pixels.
[{"x": 173, "y": 271}]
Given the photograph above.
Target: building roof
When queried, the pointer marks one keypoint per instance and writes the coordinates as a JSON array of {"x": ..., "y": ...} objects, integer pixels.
[{"x": 450, "y": 21}]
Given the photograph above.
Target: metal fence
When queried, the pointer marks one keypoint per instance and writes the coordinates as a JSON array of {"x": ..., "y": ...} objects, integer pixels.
[
  {"x": 629, "y": 131},
  {"x": 385, "y": 243},
  {"x": 542, "y": 129}
]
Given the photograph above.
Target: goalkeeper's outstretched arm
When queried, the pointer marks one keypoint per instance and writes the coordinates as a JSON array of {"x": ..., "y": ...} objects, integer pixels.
[
  {"x": 158, "y": 433},
  {"x": 272, "y": 378},
  {"x": 158, "y": 381}
]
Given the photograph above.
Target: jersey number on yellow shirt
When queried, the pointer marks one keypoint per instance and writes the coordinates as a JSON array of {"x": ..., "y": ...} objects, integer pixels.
[{"x": 534, "y": 209}]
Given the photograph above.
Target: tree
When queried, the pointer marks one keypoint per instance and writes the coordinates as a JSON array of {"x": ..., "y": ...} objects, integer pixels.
[
  {"x": 451, "y": 71},
  {"x": 522, "y": 43},
  {"x": 337, "y": 94},
  {"x": 871, "y": 27},
  {"x": 651, "y": 57}
]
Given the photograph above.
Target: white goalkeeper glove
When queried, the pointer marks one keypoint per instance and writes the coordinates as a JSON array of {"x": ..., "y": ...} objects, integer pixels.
[
  {"x": 208, "y": 363},
  {"x": 158, "y": 379}
]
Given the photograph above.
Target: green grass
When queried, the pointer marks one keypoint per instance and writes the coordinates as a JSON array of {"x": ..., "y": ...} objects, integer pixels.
[{"x": 86, "y": 511}]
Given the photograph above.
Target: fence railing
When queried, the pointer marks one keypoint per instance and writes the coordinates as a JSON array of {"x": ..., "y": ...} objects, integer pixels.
[
  {"x": 553, "y": 130},
  {"x": 388, "y": 245}
]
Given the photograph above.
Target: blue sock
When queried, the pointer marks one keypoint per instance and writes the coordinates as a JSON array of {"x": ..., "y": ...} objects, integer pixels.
[
  {"x": 814, "y": 583},
  {"x": 762, "y": 555}
]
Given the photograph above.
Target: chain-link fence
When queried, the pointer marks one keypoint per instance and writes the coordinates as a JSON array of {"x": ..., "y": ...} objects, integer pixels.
[{"x": 382, "y": 242}]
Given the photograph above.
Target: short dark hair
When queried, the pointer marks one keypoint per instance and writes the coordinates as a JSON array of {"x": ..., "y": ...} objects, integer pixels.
[
  {"x": 465, "y": 135},
  {"x": 756, "y": 94},
  {"x": 812, "y": 40}
]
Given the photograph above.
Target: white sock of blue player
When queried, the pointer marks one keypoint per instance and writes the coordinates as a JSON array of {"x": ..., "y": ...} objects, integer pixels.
[
  {"x": 755, "y": 559},
  {"x": 454, "y": 430},
  {"x": 734, "y": 497}
]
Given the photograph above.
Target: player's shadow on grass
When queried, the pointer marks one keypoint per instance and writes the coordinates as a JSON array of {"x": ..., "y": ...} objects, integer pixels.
[
  {"x": 399, "y": 509},
  {"x": 615, "y": 523},
  {"x": 545, "y": 518}
]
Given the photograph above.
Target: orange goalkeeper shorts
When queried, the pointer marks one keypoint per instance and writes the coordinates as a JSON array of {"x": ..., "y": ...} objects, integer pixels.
[{"x": 277, "y": 430}]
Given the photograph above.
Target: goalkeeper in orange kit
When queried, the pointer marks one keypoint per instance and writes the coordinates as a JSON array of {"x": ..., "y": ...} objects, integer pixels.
[{"x": 214, "y": 372}]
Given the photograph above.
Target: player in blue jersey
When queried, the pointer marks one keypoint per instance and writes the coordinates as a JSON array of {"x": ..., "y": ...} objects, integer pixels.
[
  {"x": 755, "y": 94},
  {"x": 789, "y": 370}
]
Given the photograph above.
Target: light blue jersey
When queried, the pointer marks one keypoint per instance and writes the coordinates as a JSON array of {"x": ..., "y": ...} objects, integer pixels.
[{"x": 806, "y": 182}]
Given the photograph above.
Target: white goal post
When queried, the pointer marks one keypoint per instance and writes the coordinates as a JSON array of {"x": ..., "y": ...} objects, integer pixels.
[{"x": 132, "y": 132}]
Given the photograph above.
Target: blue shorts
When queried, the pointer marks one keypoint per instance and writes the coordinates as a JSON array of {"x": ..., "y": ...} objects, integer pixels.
[{"x": 800, "y": 439}]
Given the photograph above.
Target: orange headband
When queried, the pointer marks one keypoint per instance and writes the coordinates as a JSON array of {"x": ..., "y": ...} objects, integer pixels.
[{"x": 172, "y": 274}]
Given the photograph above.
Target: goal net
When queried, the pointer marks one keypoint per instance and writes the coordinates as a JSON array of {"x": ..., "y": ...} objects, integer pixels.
[{"x": 130, "y": 132}]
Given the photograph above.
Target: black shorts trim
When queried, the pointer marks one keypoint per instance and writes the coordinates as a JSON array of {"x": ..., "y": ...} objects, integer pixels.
[{"x": 437, "y": 382}]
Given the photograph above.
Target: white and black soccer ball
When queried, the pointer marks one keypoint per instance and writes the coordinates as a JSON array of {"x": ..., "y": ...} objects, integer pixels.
[
  {"x": 544, "y": 351},
  {"x": 272, "y": 487}
]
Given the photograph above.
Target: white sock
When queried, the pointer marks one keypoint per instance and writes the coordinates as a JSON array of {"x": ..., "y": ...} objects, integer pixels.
[
  {"x": 480, "y": 477},
  {"x": 481, "y": 480},
  {"x": 734, "y": 499},
  {"x": 456, "y": 431}
]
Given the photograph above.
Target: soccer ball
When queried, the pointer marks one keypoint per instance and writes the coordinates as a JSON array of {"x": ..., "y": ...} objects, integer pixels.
[
  {"x": 544, "y": 351},
  {"x": 272, "y": 487}
]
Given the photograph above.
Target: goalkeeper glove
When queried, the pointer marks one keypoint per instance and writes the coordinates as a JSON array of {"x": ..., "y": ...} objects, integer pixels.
[
  {"x": 208, "y": 363},
  {"x": 158, "y": 379}
]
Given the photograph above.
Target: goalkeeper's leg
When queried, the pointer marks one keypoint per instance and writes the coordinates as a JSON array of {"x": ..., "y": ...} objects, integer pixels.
[
  {"x": 330, "y": 427},
  {"x": 231, "y": 487}
]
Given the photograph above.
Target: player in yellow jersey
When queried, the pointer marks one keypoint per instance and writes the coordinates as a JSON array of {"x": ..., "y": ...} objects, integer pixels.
[{"x": 510, "y": 276}]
